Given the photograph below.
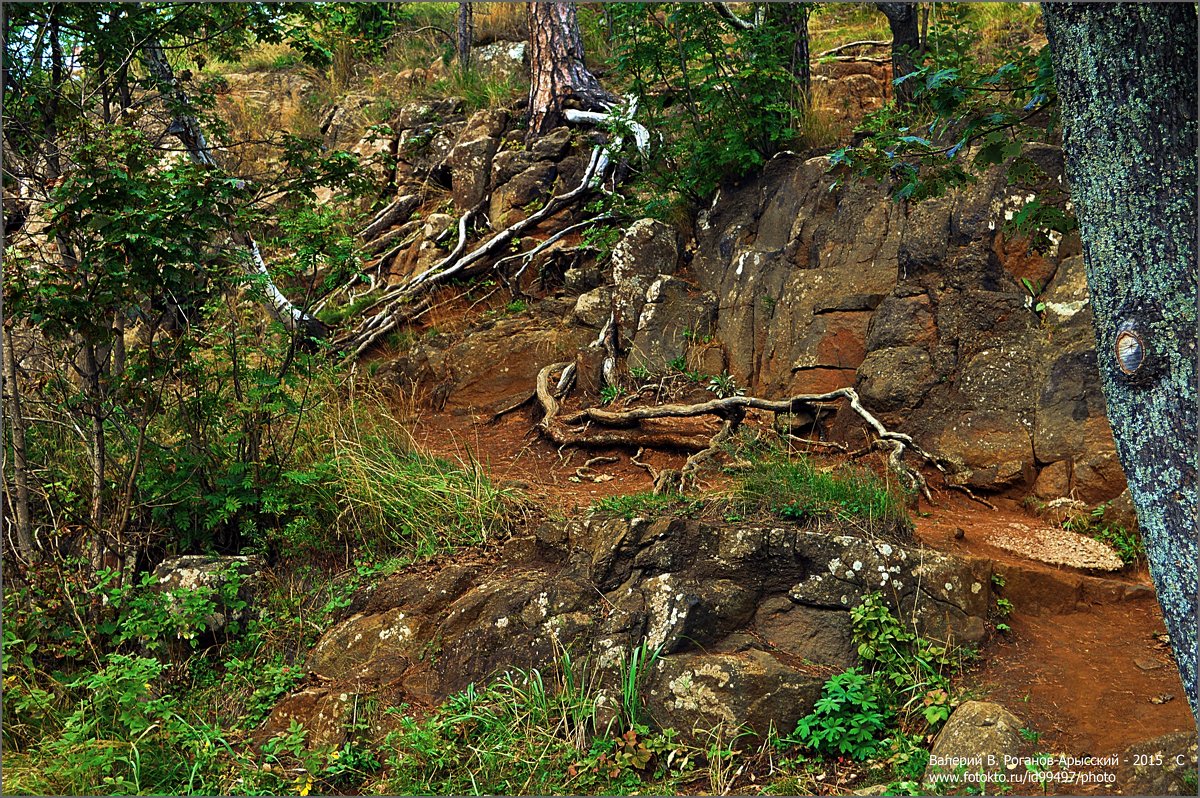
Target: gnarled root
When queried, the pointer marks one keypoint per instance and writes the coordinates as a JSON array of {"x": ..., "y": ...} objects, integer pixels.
[{"x": 627, "y": 428}]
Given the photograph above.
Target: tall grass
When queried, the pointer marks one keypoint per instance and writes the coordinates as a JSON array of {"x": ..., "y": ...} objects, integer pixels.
[{"x": 375, "y": 491}]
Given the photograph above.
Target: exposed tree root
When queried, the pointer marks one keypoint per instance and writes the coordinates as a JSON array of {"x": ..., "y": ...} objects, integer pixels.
[
  {"x": 970, "y": 495},
  {"x": 456, "y": 264},
  {"x": 626, "y": 428}
]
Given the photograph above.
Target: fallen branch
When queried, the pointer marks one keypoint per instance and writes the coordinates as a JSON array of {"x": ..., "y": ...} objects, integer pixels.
[
  {"x": 971, "y": 495},
  {"x": 848, "y": 45}
]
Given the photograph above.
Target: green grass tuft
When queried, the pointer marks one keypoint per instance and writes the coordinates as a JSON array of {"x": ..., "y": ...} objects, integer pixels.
[{"x": 796, "y": 489}]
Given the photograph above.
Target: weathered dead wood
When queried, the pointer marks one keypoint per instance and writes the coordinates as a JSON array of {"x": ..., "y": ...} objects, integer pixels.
[{"x": 848, "y": 45}]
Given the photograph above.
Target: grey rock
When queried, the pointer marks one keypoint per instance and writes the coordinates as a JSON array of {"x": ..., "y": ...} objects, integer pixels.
[
  {"x": 593, "y": 308},
  {"x": 179, "y": 575},
  {"x": 470, "y": 166},
  {"x": 672, "y": 317},
  {"x": 502, "y": 60},
  {"x": 553, "y": 145},
  {"x": 896, "y": 378},
  {"x": 978, "y": 731},
  {"x": 648, "y": 249},
  {"x": 511, "y": 201},
  {"x": 1163, "y": 766}
]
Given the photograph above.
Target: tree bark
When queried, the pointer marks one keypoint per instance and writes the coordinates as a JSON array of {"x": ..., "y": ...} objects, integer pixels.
[
  {"x": 796, "y": 19},
  {"x": 464, "y": 30},
  {"x": 17, "y": 425},
  {"x": 906, "y": 43},
  {"x": 558, "y": 77},
  {"x": 1126, "y": 76},
  {"x": 187, "y": 129}
]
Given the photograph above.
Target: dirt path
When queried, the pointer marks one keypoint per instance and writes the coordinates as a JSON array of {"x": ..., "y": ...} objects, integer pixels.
[{"x": 1083, "y": 664}]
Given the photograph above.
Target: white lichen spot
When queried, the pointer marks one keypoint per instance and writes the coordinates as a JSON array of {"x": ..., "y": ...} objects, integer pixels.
[
  {"x": 949, "y": 586},
  {"x": 834, "y": 565},
  {"x": 885, "y": 549},
  {"x": 845, "y": 599},
  {"x": 857, "y": 565},
  {"x": 976, "y": 587},
  {"x": 501, "y": 623}
]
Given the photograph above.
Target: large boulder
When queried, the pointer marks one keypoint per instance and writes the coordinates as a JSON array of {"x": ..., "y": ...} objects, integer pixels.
[
  {"x": 730, "y": 690},
  {"x": 500, "y": 61},
  {"x": 980, "y": 736},
  {"x": 191, "y": 573},
  {"x": 515, "y": 199},
  {"x": 470, "y": 162},
  {"x": 951, "y": 329},
  {"x": 672, "y": 317}
]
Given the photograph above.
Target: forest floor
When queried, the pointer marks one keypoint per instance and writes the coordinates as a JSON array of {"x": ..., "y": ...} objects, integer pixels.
[{"x": 1084, "y": 663}]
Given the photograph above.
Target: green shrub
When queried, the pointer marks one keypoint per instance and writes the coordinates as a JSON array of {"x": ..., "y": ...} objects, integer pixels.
[
  {"x": 847, "y": 720},
  {"x": 913, "y": 670}
]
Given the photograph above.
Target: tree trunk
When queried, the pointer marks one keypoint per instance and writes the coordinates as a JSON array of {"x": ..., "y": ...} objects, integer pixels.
[
  {"x": 20, "y": 470},
  {"x": 1126, "y": 76},
  {"x": 558, "y": 77},
  {"x": 98, "y": 453},
  {"x": 187, "y": 129},
  {"x": 906, "y": 43},
  {"x": 464, "y": 30},
  {"x": 795, "y": 17}
]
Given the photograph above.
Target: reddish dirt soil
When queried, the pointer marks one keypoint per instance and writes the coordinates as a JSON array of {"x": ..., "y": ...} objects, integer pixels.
[{"x": 1081, "y": 665}]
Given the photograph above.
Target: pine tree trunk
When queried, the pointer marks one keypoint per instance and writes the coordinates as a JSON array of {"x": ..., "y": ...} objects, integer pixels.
[
  {"x": 1126, "y": 76},
  {"x": 906, "y": 43},
  {"x": 558, "y": 77}
]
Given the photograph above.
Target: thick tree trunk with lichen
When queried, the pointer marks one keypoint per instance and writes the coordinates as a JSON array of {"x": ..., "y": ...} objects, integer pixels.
[
  {"x": 1126, "y": 77},
  {"x": 558, "y": 77}
]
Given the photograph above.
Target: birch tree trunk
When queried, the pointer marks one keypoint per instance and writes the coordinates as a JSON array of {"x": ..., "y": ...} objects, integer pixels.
[
  {"x": 20, "y": 465},
  {"x": 187, "y": 129},
  {"x": 1126, "y": 76},
  {"x": 558, "y": 77}
]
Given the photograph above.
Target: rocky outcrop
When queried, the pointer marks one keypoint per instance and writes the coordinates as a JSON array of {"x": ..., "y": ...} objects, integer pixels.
[
  {"x": 179, "y": 576},
  {"x": 926, "y": 309},
  {"x": 1163, "y": 766},
  {"x": 747, "y": 621}
]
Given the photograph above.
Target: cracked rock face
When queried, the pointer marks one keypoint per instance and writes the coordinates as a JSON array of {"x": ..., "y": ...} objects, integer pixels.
[
  {"x": 951, "y": 328},
  {"x": 748, "y": 621}
]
